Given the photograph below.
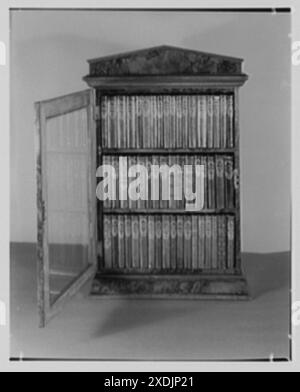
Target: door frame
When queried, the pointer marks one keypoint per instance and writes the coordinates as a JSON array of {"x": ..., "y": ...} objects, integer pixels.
[{"x": 45, "y": 110}]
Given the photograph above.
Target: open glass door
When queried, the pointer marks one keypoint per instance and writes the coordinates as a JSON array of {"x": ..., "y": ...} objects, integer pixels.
[{"x": 66, "y": 199}]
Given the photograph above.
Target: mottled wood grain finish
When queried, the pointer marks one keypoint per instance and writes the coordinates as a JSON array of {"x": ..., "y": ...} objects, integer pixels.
[{"x": 165, "y": 60}]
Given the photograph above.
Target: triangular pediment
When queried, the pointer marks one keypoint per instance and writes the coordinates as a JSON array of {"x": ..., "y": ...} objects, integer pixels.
[{"x": 165, "y": 60}]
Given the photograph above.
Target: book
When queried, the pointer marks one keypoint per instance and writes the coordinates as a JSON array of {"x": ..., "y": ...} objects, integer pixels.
[
  {"x": 204, "y": 122},
  {"x": 173, "y": 246},
  {"x": 201, "y": 242},
  {"x": 230, "y": 242},
  {"x": 214, "y": 254},
  {"x": 180, "y": 243},
  {"x": 208, "y": 242},
  {"x": 185, "y": 123},
  {"x": 143, "y": 242},
  {"x": 135, "y": 242},
  {"x": 193, "y": 121},
  {"x": 230, "y": 119},
  {"x": 108, "y": 243},
  {"x": 151, "y": 242},
  {"x": 210, "y": 121},
  {"x": 128, "y": 121},
  {"x": 223, "y": 122},
  {"x": 139, "y": 123},
  {"x": 121, "y": 242},
  {"x": 222, "y": 243},
  {"x": 216, "y": 121},
  {"x": 204, "y": 163},
  {"x": 115, "y": 242},
  {"x": 166, "y": 243},
  {"x": 115, "y": 164},
  {"x": 199, "y": 121},
  {"x": 158, "y": 243},
  {"x": 187, "y": 243},
  {"x": 128, "y": 242},
  {"x": 220, "y": 182},
  {"x": 229, "y": 186},
  {"x": 211, "y": 183},
  {"x": 195, "y": 265},
  {"x": 164, "y": 199}
]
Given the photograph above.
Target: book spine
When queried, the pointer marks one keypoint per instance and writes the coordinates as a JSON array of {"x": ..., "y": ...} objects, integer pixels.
[
  {"x": 201, "y": 232},
  {"x": 205, "y": 165},
  {"x": 223, "y": 122},
  {"x": 204, "y": 122},
  {"x": 180, "y": 243},
  {"x": 141, "y": 203},
  {"x": 118, "y": 121},
  {"x": 128, "y": 121},
  {"x": 230, "y": 118},
  {"x": 229, "y": 186},
  {"x": 135, "y": 242},
  {"x": 211, "y": 183},
  {"x": 199, "y": 121},
  {"x": 151, "y": 123},
  {"x": 143, "y": 243},
  {"x": 108, "y": 243},
  {"x": 161, "y": 122},
  {"x": 230, "y": 242},
  {"x": 173, "y": 248},
  {"x": 222, "y": 243},
  {"x": 123, "y": 182},
  {"x": 193, "y": 121},
  {"x": 158, "y": 243},
  {"x": 156, "y": 120},
  {"x": 128, "y": 242},
  {"x": 216, "y": 125},
  {"x": 210, "y": 125},
  {"x": 220, "y": 182},
  {"x": 116, "y": 203},
  {"x": 164, "y": 202},
  {"x": 121, "y": 242},
  {"x": 115, "y": 244},
  {"x": 214, "y": 242},
  {"x": 185, "y": 122},
  {"x": 151, "y": 243},
  {"x": 144, "y": 106},
  {"x": 208, "y": 242},
  {"x": 155, "y": 185},
  {"x": 134, "y": 136},
  {"x": 171, "y": 202},
  {"x": 103, "y": 108},
  {"x": 195, "y": 263},
  {"x": 132, "y": 203},
  {"x": 166, "y": 242},
  {"x": 139, "y": 127},
  {"x": 149, "y": 202},
  {"x": 187, "y": 243}
]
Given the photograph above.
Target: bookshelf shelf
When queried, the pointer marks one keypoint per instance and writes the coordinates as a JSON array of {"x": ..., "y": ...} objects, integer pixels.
[
  {"x": 124, "y": 211},
  {"x": 167, "y": 151}
]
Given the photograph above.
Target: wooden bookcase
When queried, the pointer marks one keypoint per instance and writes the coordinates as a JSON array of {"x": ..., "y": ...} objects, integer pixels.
[
  {"x": 73, "y": 227},
  {"x": 171, "y": 72}
]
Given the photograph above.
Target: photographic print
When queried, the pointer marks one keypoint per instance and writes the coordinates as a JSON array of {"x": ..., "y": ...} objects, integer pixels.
[{"x": 151, "y": 185}]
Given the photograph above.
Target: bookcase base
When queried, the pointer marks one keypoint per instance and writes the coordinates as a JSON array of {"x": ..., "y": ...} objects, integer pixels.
[{"x": 171, "y": 287}]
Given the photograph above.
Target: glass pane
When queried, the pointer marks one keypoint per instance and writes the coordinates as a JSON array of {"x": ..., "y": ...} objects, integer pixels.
[{"x": 67, "y": 194}]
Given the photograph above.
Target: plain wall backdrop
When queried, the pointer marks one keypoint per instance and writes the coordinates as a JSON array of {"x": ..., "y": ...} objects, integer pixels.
[{"x": 49, "y": 50}]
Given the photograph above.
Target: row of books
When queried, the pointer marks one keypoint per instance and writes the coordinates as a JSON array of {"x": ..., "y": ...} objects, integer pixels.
[
  {"x": 218, "y": 185},
  {"x": 172, "y": 243},
  {"x": 166, "y": 121}
]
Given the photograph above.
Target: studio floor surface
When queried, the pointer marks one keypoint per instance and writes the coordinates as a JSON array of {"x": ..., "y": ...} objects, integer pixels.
[{"x": 89, "y": 328}]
